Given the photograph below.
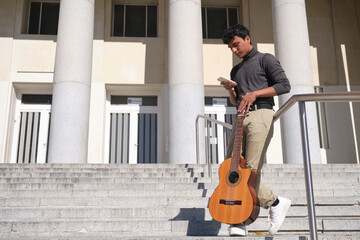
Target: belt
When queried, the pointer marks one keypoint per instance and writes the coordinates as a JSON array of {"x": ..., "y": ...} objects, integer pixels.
[{"x": 254, "y": 107}]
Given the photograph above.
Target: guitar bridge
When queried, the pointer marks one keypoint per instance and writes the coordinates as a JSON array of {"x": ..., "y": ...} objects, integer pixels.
[{"x": 230, "y": 202}]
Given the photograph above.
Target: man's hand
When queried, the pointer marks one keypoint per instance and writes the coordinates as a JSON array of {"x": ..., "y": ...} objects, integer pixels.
[
  {"x": 229, "y": 85},
  {"x": 246, "y": 102},
  {"x": 250, "y": 97}
]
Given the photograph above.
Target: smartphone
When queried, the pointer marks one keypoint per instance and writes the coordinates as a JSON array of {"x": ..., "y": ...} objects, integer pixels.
[{"x": 221, "y": 79}]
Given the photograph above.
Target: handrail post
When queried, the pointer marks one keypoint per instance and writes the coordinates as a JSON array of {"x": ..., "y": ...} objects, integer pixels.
[
  {"x": 307, "y": 171},
  {"x": 197, "y": 139},
  {"x": 207, "y": 148}
]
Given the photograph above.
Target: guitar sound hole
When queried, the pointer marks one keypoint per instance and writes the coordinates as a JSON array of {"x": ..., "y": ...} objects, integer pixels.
[{"x": 233, "y": 177}]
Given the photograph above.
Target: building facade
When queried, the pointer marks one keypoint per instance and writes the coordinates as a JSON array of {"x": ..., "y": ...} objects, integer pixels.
[{"x": 122, "y": 81}]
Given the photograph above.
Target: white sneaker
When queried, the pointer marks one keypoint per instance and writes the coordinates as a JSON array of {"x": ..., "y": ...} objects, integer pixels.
[
  {"x": 277, "y": 214},
  {"x": 237, "y": 230}
]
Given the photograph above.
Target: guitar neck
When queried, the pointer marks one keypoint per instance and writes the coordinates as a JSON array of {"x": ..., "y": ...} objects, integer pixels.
[{"x": 236, "y": 158}]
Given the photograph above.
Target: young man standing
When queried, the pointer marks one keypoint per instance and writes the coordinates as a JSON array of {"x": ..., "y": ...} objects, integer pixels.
[{"x": 256, "y": 80}]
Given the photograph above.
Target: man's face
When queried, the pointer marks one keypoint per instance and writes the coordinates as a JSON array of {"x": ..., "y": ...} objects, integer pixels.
[{"x": 239, "y": 46}]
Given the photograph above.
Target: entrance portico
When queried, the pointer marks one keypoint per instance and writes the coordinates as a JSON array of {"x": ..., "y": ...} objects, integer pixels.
[{"x": 73, "y": 70}]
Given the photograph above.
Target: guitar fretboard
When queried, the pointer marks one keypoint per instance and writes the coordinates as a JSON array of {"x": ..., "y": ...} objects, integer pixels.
[{"x": 236, "y": 158}]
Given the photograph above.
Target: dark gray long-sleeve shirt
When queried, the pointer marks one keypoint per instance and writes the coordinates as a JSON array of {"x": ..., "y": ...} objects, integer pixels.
[{"x": 258, "y": 71}]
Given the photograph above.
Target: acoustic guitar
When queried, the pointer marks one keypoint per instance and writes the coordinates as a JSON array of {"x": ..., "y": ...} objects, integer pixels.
[{"x": 234, "y": 200}]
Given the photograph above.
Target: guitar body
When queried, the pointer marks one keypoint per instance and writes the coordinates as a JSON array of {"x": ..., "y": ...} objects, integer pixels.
[{"x": 234, "y": 200}]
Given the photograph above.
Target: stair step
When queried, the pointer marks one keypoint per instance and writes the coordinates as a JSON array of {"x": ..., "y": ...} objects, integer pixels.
[
  {"x": 184, "y": 201},
  {"x": 170, "y": 227},
  {"x": 159, "y": 172},
  {"x": 62, "y": 212},
  {"x": 78, "y": 191},
  {"x": 148, "y": 192},
  {"x": 114, "y": 236},
  {"x": 155, "y": 177},
  {"x": 151, "y": 191},
  {"x": 114, "y": 186},
  {"x": 164, "y": 165}
]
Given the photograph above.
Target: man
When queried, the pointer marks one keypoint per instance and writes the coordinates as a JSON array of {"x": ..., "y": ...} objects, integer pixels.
[{"x": 256, "y": 80}]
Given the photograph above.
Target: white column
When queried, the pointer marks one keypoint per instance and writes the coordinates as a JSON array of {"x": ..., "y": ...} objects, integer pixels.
[
  {"x": 72, "y": 80},
  {"x": 292, "y": 48},
  {"x": 186, "y": 84}
]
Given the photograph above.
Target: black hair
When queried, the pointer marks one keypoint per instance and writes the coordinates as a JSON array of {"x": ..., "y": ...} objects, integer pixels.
[{"x": 236, "y": 30}]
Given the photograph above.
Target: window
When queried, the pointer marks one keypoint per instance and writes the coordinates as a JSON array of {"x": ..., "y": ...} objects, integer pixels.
[
  {"x": 36, "y": 99},
  {"x": 213, "y": 101},
  {"x": 142, "y": 101},
  {"x": 43, "y": 18},
  {"x": 135, "y": 21},
  {"x": 216, "y": 19}
]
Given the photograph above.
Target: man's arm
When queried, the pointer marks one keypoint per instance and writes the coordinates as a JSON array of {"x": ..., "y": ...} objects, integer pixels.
[
  {"x": 280, "y": 83},
  {"x": 275, "y": 74}
]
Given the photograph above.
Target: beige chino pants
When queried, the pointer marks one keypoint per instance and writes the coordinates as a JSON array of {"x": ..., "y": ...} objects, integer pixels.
[{"x": 257, "y": 133}]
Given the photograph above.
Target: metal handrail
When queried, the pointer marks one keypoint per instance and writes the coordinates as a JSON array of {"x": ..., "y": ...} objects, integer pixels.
[
  {"x": 318, "y": 97},
  {"x": 227, "y": 125},
  {"x": 301, "y": 99}
]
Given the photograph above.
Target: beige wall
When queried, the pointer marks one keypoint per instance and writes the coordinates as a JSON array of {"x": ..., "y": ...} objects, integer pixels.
[
  {"x": 133, "y": 62},
  {"x": 332, "y": 23},
  {"x": 347, "y": 33},
  {"x": 143, "y": 61},
  {"x": 321, "y": 34}
]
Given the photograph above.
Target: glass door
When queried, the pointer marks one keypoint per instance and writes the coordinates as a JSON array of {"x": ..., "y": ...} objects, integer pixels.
[
  {"x": 31, "y": 129},
  {"x": 133, "y": 129}
]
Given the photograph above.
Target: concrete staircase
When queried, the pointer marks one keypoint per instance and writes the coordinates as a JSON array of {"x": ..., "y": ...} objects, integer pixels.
[{"x": 162, "y": 201}]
